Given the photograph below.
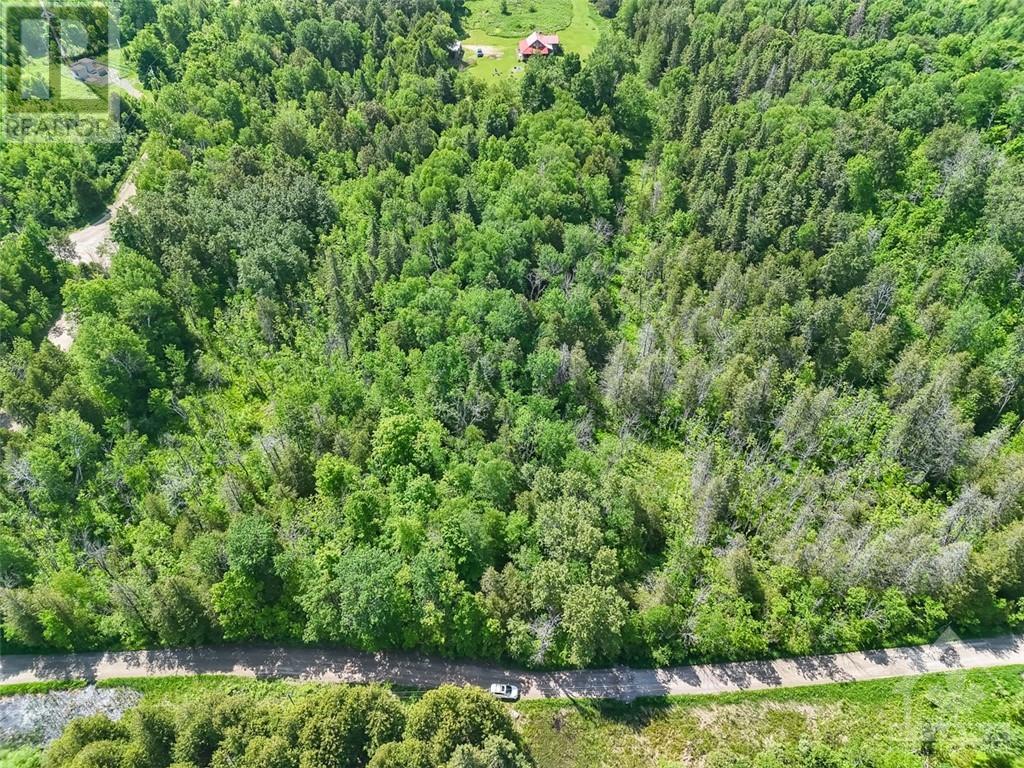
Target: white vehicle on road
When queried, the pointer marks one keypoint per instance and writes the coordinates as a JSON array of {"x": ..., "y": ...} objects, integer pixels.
[{"x": 505, "y": 691}]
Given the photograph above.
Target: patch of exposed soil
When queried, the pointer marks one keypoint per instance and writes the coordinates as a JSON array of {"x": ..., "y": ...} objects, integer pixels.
[{"x": 39, "y": 718}]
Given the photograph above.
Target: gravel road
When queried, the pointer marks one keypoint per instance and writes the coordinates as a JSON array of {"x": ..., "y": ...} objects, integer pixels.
[{"x": 332, "y": 665}]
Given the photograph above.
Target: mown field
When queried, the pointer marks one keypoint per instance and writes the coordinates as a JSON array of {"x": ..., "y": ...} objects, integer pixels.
[
  {"x": 519, "y": 17},
  {"x": 38, "y": 70}
]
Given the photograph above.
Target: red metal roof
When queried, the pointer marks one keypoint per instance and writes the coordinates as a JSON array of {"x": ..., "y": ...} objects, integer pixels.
[{"x": 537, "y": 43}]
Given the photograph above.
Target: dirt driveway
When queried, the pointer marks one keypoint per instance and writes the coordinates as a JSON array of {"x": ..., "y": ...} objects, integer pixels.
[
  {"x": 489, "y": 51},
  {"x": 93, "y": 245}
]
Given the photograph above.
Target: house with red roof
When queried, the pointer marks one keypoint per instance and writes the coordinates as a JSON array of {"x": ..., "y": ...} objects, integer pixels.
[{"x": 538, "y": 45}]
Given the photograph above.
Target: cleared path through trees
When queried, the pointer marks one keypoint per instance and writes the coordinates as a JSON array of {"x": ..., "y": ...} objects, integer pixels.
[
  {"x": 333, "y": 665},
  {"x": 92, "y": 245}
]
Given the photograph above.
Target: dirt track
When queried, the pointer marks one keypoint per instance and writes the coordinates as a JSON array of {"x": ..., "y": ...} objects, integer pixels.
[
  {"x": 92, "y": 245},
  {"x": 423, "y": 672}
]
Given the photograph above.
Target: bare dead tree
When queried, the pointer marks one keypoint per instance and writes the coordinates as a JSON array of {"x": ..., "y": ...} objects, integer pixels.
[
  {"x": 98, "y": 554},
  {"x": 543, "y": 628},
  {"x": 880, "y": 300},
  {"x": 971, "y": 513},
  {"x": 857, "y": 20}
]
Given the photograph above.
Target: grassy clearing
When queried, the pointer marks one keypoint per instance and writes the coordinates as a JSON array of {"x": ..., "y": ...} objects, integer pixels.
[
  {"x": 499, "y": 62},
  {"x": 886, "y": 719},
  {"x": 579, "y": 34},
  {"x": 17, "y": 689},
  {"x": 38, "y": 70},
  {"x": 173, "y": 690},
  {"x": 521, "y": 18},
  {"x": 122, "y": 68},
  {"x": 586, "y": 29}
]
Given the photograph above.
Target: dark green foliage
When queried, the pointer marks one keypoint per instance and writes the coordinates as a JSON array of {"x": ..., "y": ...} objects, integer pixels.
[
  {"x": 92, "y": 735},
  {"x": 344, "y": 727},
  {"x": 153, "y": 733},
  {"x": 449, "y": 719},
  {"x": 408, "y": 753},
  {"x": 329, "y": 727},
  {"x": 55, "y": 185},
  {"x": 29, "y": 286}
]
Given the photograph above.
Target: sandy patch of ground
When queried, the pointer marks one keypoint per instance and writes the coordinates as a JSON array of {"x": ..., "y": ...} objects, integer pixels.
[
  {"x": 92, "y": 244},
  {"x": 489, "y": 51},
  {"x": 63, "y": 333}
]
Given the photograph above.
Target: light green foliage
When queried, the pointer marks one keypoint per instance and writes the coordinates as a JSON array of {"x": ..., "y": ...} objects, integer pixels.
[
  {"x": 358, "y": 597},
  {"x": 152, "y": 731},
  {"x": 60, "y": 460},
  {"x": 20, "y": 757},
  {"x": 496, "y": 752},
  {"x": 335, "y": 477},
  {"x": 180, "y": 613},
  {"x": 408, "y": 753},
  {"x": 344, "y": 727},
  {"x": 83, "y": 735},
  {"x": 405, "y": 443},
  {"x": 56, "y": 184},
  {"x": 594, "y": 620},
  {"x": 117, "y": 370}
]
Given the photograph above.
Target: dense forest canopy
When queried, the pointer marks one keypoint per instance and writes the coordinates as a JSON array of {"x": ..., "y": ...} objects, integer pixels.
[
  {"x": 331, "y": 727},
  {"x": 708, "y": 346}
]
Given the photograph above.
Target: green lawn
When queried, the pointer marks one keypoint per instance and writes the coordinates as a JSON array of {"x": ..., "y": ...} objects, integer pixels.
[
  {"x": 585, "y": 30},
  {"x": 116, "y": 59},
  {"x": 577, "y": 23},
  {"x": 38, "y": 69},
  {"x": 500, "y": 61},
  {"x": 70, "y": 87}
]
